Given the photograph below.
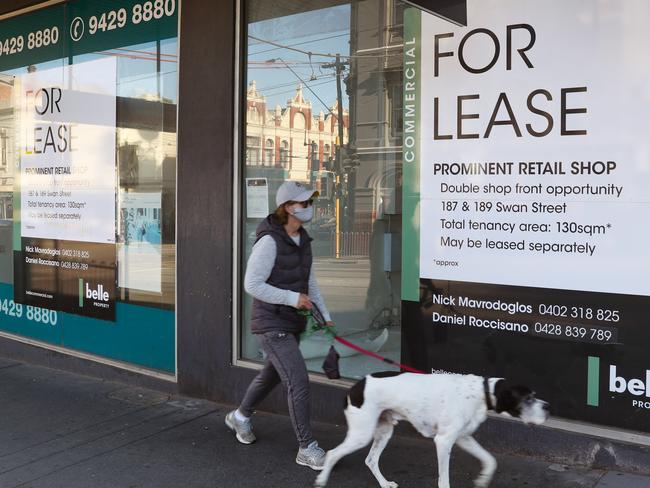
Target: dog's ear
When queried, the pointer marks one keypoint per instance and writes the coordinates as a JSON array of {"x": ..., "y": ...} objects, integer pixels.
[{"x": 509, "y": 398}]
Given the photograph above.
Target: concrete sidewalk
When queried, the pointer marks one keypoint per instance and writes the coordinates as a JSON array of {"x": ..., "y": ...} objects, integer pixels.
[{"x": 59, "y": 429}]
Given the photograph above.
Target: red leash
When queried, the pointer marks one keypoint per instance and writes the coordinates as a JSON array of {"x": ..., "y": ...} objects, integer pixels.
[
  {"x": 320, "y": 321},
  {"x": 376, "y": 356}
]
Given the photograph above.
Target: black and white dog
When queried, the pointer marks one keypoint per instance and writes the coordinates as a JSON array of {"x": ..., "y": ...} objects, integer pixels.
[{"x": 447, "y": 407}]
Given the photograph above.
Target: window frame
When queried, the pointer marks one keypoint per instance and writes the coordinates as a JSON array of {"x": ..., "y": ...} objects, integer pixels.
[{"x": 238, "y": 197}]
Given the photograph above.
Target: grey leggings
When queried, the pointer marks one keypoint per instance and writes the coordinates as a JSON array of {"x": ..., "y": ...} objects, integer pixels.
[{"x": 285, "y": 363}]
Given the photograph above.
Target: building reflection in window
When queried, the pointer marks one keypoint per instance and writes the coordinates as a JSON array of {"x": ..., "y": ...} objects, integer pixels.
[{"x": 346, "y": 143}]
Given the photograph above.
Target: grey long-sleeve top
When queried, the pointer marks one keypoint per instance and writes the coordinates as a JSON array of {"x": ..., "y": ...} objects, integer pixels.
[{"x": 258, "y": 270}]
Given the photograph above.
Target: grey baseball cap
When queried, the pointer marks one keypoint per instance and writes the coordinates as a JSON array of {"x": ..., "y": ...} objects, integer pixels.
[{"x": 294, "y": 191}]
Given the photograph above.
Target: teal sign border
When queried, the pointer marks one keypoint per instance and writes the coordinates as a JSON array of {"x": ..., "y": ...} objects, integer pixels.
[
  {"x": 63, "y": 16},
  {"x": 139, "y": 335},
  {"x": 23, "y": 25},
  {"x": 411, "y": 169}
]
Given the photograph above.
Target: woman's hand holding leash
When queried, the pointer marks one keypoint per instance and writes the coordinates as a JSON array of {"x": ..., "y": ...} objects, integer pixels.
[{"x": 304, "y": 302}]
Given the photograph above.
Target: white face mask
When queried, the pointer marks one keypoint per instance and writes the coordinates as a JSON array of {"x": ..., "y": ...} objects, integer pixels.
[{"x": 303, "y": 214}]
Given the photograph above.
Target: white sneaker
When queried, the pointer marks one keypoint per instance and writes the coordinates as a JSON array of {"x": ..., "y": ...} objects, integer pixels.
[
  {"x": 311, "y": 456},
  {"x": 242, "y": 429}
]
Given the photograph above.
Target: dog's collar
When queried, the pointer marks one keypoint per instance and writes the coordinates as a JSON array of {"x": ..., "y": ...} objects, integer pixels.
[{"x": 488, "y": 397}]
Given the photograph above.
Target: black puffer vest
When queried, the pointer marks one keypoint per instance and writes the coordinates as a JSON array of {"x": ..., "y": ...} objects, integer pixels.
[{"x": 290, "y": 272}]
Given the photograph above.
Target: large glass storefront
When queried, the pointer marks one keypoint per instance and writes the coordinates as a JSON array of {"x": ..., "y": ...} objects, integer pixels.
[
  {"x": 88, "y": 101},
  {"x": 324, "y": 107},
  {"x": 482, "y": 169},
  {"x": 482, "y": 197}
]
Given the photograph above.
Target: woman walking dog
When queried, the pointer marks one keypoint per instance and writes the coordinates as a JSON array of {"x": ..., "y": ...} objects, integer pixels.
[{"x": 280, "y": 277}]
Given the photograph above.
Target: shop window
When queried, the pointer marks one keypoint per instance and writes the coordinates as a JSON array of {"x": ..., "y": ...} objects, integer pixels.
[
  {"x": 396, "y": 110},
  {"x": 269, "y": 152},
  {"x": 284, "y": 154},
  {"x": 126, "y": 155},
  {"x": 325, "y": 141},
  {"x": 3, "y": 149},
  {"x": 253, "y": 150},
  {"x": 327, "y": 156},
  {"x": 396, "y": 27}
]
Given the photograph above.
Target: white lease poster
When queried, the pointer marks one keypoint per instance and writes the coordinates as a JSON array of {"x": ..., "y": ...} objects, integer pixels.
[
  {"x": 257, "y": 198},
  {"x": 534, "y": 145},
  {"x": 140, "y": 241},
  {"x": 67, "y": 161}
]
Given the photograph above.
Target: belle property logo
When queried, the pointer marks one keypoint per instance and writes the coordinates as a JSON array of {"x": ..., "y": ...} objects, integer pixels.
[
  {"x": 617, "y": 384},
  {"x": 94, "y": 294}
]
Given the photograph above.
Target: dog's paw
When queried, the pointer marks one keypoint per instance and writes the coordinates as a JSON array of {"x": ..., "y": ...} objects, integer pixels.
[{"x": 389, "y": 484}]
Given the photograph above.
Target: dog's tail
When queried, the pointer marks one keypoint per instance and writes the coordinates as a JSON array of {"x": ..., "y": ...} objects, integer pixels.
[{"x": 355, "y": 394}]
